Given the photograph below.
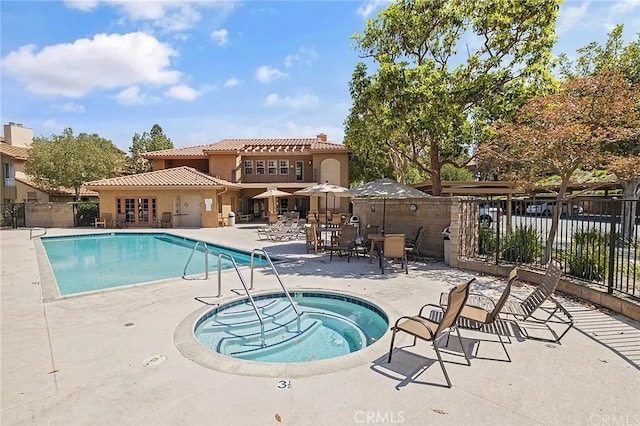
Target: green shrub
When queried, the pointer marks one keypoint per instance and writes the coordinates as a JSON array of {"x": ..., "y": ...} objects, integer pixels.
[
  {"x": 587, "y": 259},
  {"x": 523, "y": 245},
  {"x": 86, "y": 212},
  {"x": 588, "y": 265},
  {"x": 591, "y": 237},
  {"x": 486, "y": 241}
]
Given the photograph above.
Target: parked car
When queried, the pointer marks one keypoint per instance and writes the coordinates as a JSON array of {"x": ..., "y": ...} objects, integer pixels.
[
  {"x": 488, "y": 214},
  {"x": 546, "y": 208}
]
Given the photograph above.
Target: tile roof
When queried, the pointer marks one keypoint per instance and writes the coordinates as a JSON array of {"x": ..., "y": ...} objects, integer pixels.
[
  {"x": 175, "y": 177},
  {"x": 283, "y": 145},
  {"x": 57, "y": 191},
  {"x": 15, "y": 152}
]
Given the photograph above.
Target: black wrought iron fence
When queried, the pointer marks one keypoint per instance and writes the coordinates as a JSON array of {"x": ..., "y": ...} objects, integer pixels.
[
  {"x": 13, "y": 215},
  {"x": 596, "y": 239}
]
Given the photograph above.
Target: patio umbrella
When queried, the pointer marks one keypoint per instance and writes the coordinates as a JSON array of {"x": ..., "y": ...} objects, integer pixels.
[
  {"x": 272, "y": 193},
  {"x": 385, "y": 189},
  {"x": 326, "y": 189}
]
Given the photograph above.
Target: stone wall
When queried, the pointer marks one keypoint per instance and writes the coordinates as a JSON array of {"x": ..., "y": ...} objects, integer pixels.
[
  {"x": 49, "y": 215},
  {"x": 434, "y": 213}
]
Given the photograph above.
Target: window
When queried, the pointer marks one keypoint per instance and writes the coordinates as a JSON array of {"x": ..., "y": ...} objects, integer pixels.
[
  {"x": 32, "y": 197},
  {"x": 248, "y": 167},
  {"x": 259, "y": 167},
  {"x": 284, "y": 167},
  {"x": 299, "y": 168},
  {"x": 273, "y": 170},
  {"x": 9, "y": 175}
]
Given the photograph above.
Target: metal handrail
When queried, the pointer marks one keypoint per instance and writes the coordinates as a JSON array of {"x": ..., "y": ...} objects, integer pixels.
[
  {"x": 253, "y": 303},
  {"x": 206, "y": 259},
  {"x": 273, "y": 268},
  {"x": 31, "y": 236}
]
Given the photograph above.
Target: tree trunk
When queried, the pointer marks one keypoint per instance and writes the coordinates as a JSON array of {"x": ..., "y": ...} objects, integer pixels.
[
  {"x": 630, "y": 193},
  {"x": 434, "y": 157},
  {"x": 555, "y": 220}
]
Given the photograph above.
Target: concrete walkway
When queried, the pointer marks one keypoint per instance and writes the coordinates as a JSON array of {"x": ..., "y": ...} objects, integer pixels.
[{"x": 81, "y": 360}]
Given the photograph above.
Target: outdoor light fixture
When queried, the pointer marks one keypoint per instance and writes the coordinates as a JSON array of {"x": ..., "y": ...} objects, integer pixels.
[
  {"x": 413, "y": 207},
  {"x": 373, "y": 208}
]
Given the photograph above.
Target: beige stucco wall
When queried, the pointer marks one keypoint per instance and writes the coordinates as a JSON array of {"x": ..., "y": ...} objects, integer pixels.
[
  {"x": 167, "y": 201},
  {"x": 22, "y": 189},
  {"x": 223, "y": 165},
  {"x": 17, "y": 135}
]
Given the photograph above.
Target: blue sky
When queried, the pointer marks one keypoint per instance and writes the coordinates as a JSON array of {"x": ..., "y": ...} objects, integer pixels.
[{"x": 207, "y": 70}]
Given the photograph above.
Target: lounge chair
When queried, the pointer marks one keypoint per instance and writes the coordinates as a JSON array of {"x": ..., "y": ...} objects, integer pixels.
[
  {"x": 346, "y": 242},
  {"x": 481, "y": 313},
  {"x": 104, "y": 220},
  {"x": 541, "y": 300},
  {"x": 421, "y": 327},
  {"x": 121, "y": 220},
  {"x": 394, "y": 248},
  {"x": 165, "y": 221},
  {"x": 312, "y": 239}
]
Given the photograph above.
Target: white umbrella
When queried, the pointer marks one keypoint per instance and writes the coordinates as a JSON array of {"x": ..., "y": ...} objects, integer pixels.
[
  {"x": 272, "y": 193},
  {"x": 326, "y": 189},
  {"x": 386, "y": 188}
]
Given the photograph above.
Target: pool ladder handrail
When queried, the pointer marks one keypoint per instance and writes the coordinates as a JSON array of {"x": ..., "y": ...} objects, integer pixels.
[
  {"x": 37, "y": 228},
  {"x": 206, "y": 259},
  {"x": 253, "y": 303},
  {"x": 273, "y": 268}
]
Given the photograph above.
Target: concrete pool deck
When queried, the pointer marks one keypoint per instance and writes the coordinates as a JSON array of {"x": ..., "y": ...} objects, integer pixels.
[{"x": 89, "y": 360}]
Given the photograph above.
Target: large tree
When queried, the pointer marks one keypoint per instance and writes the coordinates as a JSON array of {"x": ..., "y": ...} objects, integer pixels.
[
  {"x": 623, "y": 157},
  {"x": 69, "y": 161},
  {"x": 155, "y": 140},
  {"x": 562, "y": 132},
  {"x": 444, "y": 70}
]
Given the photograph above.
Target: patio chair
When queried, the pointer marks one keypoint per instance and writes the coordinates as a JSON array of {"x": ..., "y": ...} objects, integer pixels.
[
  {"x": 412, "y": 244},
  {"x": 104, "y": 220},
  {"x": 541, "y": 300},
  {"x": 393, "y": 248},
  {"x": 165, "y": 220},
  {"x": 312, "y": 239},
  {"x": 421, "y": 327},
  {"x": 481, "y": 313},
  {"x": 121, "y": 220},
  {"x": 346, "y": 242}
]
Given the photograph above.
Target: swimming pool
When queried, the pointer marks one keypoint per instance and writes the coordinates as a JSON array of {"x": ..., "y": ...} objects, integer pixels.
[
  {"x": 331, "y": 325},
  {"x": 82, "y": 263}
]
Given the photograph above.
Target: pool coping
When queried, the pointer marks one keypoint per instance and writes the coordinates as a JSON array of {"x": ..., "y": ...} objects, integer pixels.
[
  {"x": 49, "y": 284},
  {"x": 187, "y": 344}
]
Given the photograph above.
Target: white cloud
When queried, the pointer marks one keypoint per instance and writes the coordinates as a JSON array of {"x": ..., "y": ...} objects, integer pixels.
[
  {"x": 220, "y": 37},
  {"x": 107, "y": 61},
  {"x": 369, "y": 7},
  {"x": 304, "y": 55},
  {"x": 132, "y": 96},
  {"x": 298, "y": 101},
  {"x": 84, "y": 5},
  {"x": 621, "y": 11},
  {"x": 571, "y": 17},
  {"x": 232, "y": 82},
  {"x": 183, "y": 92},
  {"x": 70, "y": 107},
  {"x": 266, "y": 74},
  {"x": 170, "y": 15}
]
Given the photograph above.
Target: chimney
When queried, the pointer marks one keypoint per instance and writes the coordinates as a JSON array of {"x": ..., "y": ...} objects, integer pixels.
[{"x": 322, "y": 137}]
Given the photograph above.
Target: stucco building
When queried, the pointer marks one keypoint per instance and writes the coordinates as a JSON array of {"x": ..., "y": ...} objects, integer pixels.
[{"x": 200, "y": 185}]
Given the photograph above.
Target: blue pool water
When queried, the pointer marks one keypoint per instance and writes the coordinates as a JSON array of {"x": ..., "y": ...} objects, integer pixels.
[
  {"x": 331, "y": 325},
  {"x": 84, "y": 263}
]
